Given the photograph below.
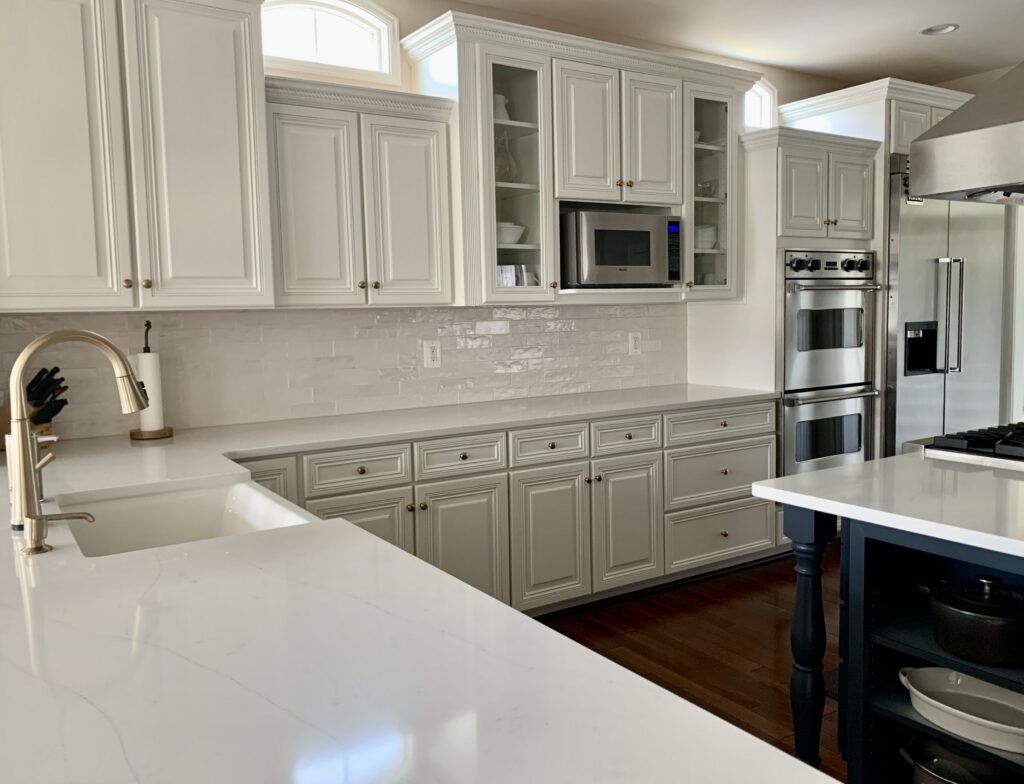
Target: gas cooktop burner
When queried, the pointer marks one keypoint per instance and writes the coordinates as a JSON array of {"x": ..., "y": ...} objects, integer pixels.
[{"x": 1001, "y": 441}]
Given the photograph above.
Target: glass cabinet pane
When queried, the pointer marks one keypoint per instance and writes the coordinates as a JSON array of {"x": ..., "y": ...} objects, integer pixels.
[
  {"x": 517, "y": 176},
  {"x": 710, "y": 167}
]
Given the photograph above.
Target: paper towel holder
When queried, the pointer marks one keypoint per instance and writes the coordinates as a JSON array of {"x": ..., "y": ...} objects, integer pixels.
[{"x": 149, "y": 435}]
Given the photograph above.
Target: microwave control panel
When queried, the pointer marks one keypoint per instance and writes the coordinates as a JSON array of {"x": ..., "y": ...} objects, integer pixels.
[{"x": 674, "y": 254}]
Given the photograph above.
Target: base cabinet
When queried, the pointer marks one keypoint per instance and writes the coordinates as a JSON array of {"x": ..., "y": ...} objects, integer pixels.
[
  {"x": 713, "y": 533},
  {"x": 627, "y": 520},
  {"x": 280, "y": 475},
  {"x": 388, "y": 514},
  {"x": 550, "y": 534},
  {"x": 462, "y": 529}
]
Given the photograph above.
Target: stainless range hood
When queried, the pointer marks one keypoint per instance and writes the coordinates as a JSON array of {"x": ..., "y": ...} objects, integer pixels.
[{"x": 977, "y": 152}]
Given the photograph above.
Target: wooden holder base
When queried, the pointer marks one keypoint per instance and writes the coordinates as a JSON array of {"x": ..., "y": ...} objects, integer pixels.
[{"x": 150, "y": 435}]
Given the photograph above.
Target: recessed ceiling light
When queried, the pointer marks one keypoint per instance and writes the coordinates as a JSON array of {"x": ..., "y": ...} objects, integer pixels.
[{"x": 941, "y": 29}]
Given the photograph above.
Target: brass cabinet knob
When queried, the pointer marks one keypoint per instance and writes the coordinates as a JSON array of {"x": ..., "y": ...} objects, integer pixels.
[
  {"x": 553, "y": 284},
  {"x": 620, "y": 183},
  {"x": 147, "y": 284},
  {"x": 724, "y": 423},
  {"x": 361, "y": 284},
  {"x": 376, "y": 284},
  {"x": 629, "y": 183},
  {"x": 127, "y": 283},
  {"x": 598, "y": 478},
  {"x": 588, "y": 479},
  {"x": 463, "y": 456},
  {"x": 689, "y": 284},
  {"x": 551, "y": 444},
  {"x": 424, "y": 506},
  {"x": 361, "y": 470},
  {"x": 724, "y": 472},
  {"x": 724, "y": 534},
  {"x": 629, "y": 436},
  {"x": 410, "y": 508}
]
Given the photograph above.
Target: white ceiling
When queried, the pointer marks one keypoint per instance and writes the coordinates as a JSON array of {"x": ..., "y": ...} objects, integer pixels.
[{"x": 853, "y": 41}]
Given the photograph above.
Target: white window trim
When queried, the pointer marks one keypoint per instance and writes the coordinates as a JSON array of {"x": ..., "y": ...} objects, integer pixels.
[
  {"x": 767, "y": 87},
  {"x": 282, "y": 66}
]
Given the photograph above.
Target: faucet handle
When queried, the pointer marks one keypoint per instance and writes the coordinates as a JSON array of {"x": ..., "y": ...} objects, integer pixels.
[
  {"x": 47, "y": 439},
  {"x": 45, "y": 460},
  {"x": 39, "y": 527}
]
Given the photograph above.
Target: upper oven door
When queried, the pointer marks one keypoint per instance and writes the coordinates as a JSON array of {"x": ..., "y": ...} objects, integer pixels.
[
  {"x": 826, "y": 429},
  {"x": 828, "y": 333},
  {"x": 623, "y": 249}
]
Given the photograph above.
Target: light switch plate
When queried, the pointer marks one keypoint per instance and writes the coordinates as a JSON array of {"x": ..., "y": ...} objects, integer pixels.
[
  {"x": 636, "y": 343},
  {"x": 431, "y": 353}
]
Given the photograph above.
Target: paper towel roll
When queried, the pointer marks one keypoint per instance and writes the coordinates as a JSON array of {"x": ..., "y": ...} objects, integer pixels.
[{"x": 147, "y": 369}]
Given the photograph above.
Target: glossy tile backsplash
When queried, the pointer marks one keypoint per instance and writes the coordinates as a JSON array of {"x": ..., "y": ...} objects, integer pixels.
[{"x": 227, "y": 367}]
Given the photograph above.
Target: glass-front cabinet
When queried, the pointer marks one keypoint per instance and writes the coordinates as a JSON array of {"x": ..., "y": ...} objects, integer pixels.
[
  {"x": 711, "y": 192},
  {"x": 519, "y": 237}
]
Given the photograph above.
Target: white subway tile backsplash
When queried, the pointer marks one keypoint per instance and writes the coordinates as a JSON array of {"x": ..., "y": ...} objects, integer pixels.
[{"x": 227, "y": 367}]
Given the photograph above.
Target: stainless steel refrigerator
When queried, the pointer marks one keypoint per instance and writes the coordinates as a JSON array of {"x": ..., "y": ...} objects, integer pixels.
[{"x": 947, "y": 269}]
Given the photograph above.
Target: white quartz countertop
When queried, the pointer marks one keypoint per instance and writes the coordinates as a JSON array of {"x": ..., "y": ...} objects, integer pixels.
[
  {"x": 957, "y": 502},
  {"x": 318, "y": 653}
]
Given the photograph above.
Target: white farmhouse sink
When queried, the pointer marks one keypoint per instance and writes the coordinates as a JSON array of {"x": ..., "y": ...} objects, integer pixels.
[{"x": 140, "y": 522}]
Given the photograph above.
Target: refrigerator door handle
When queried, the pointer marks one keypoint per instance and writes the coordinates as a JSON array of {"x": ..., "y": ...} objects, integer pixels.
[
  {"x": 946, "y": 312},
  {"x": 959, "y": 366}
]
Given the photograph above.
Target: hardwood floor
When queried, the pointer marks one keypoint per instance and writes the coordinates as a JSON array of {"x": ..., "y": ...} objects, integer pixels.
[{"x": 721, "y": 642}]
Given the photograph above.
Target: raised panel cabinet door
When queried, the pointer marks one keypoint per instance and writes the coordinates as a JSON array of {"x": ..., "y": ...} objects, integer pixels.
[
  {"x": 317, "y": 206},
  {"x": 280, "y": 475},
  {"x": 198, "y": 152},
  {"x": 550, "y": 534},
  {"x": 907, "y": 122},
  {"x": 385, "y": 513},
  {"x": 627, "y": 526},
  {"x": 406, "y": 203},
  {"x": 803, "y": 192},
  {"x": 652, "y": 139},
  {"x": 851, "y": 196},
  {"x": 65, "y": 240},
  {"x": 939, "y": 114},
  {"x": 462, "y": 529},
  {"x": 587, "y": 117}
]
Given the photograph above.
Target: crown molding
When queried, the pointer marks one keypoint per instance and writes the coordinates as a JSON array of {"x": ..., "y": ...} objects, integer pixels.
[
  {"x": 777, "y": 137},
  {"x": 455, "y": 25},
  {"x": 327, "y": 95},
  {"x": 869, "y": 92}
]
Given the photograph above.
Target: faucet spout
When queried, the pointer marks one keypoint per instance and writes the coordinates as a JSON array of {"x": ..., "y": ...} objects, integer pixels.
[{"x": 23, "y": 452}]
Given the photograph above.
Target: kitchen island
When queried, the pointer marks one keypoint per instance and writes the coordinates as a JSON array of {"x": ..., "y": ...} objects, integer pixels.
[
  {"x": 907, "y": 521},
  {"x": 317, "y": 653}
]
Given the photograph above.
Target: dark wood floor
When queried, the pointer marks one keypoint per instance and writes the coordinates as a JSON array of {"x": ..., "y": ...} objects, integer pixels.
[{"x": 720, "y": 642}]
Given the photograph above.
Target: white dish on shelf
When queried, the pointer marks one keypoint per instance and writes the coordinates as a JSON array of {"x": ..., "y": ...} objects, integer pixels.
[
  {"x": 509, "y": 233},
  {"x": 967, "y": 707},
  {"x": 705, "y": 236}
]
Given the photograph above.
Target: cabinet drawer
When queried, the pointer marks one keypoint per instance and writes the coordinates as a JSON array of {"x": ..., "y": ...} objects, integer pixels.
[
  {"x": 714, "y": 533},
  {"x": 344, "y": 470},
  {"x": 461, "y": 455},
  {"x": 384, "y": 513},
  {"x": 711, "y": 473},
  {"x": 689, "y": 427},
  {"x": 279, "y": 475},
  {"x": 549, "y": 444},
  {"x": 615, "y": 436}
]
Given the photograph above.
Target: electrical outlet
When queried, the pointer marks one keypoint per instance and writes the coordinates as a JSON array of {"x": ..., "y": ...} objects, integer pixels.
[
  {"x": 431, "y": 353},
  {"x": 636, "y": 343}
]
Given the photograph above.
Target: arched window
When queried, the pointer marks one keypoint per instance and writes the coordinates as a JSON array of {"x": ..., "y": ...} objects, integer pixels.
[
  {"x": 759, "y": 105},
  {"x": 347, "y": 39}
]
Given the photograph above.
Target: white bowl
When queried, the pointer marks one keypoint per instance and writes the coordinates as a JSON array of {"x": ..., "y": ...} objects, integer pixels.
[
  {"x": 510, "y": 233},
  {"x": 705, "y": 236}
]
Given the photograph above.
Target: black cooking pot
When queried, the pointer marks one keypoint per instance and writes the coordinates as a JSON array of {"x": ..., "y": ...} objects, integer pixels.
[
  {"x": 980, "y": 620},
  {"x": 934, "y": 763}
]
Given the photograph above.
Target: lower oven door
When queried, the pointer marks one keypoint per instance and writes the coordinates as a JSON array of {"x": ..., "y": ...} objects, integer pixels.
[{"x": 826, "y": 429}]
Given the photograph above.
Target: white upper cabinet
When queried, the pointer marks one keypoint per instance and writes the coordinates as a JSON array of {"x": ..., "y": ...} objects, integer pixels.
[
  {"x": 405, "y": 195},
  {"x": 317, "y": 201},
  {"x": 652, "y": 139},
  {"x": 198, "y": 152},
  {"x": 64, "y": 221},
  {"x": 618, "y": 135},
  {"x": 825, "y": 193},
  {"x": 907, "y": 122},
  {"x": 587, "y": 122}
]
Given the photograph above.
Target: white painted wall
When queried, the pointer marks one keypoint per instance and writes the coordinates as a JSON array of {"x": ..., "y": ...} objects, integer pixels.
[{"x": 974, "y": 83}]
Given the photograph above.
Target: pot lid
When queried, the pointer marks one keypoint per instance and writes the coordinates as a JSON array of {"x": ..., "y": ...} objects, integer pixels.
[{"x": 984, "y": 595}]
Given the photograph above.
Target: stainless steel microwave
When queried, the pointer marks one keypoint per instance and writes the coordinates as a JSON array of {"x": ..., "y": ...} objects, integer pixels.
[{"x": 619, "y": 249}]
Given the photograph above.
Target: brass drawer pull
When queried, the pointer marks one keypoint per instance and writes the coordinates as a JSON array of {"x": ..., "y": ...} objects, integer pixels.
[
  {"x": 724, "y": 534},
  {"x": 629, "y": 436},
  {"x": 724, "y": 423},
  {"x": 724, "y": 472},
  {"x": 424, "y": 506},
  {"x": 361, "y": 470},
  {"x": 463, "y": 456},
  {"x": 551, "y": 445},
  {"x": 410, "y": 508}
]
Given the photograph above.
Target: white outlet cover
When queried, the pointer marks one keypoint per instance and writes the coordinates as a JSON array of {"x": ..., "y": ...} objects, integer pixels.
[
  {"x": 431, "y": 353},
  {"x": 636, "y": 342}
]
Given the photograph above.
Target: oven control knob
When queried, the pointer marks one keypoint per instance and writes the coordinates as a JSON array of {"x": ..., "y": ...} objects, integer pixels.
[
  {"x": 849, "y": 265},
  {"x": 863, "y": 265},
  {"x": 798, "y": 265},
  {"x": 814, "y": 265}
]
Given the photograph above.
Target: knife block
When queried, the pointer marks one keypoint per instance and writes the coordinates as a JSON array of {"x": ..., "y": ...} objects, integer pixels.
[{"x": 5, "y": 426}]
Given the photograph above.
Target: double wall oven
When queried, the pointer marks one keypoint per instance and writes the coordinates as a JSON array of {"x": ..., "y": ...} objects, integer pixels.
[{"x": 829, "y": 317}]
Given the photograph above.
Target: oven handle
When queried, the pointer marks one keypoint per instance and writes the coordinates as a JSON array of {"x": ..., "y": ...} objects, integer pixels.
[
  {"x": 803, "y": 287},
  {"x": 795, "y": 401}
]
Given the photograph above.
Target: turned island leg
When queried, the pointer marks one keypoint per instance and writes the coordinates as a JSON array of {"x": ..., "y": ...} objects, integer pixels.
[{"x": 811, "y": 532}]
